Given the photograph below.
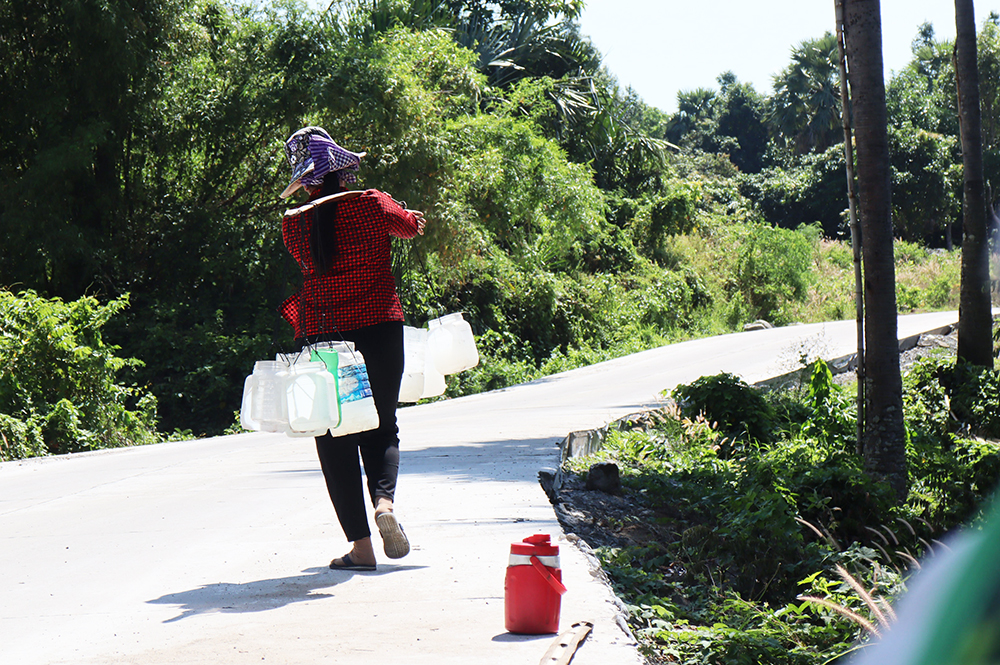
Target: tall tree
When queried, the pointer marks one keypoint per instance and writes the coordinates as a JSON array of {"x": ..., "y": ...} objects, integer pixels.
[
  {"x": 741, "y": 116},
  {"x": 729, "y": 122},
  {"x": 695, "y": 115},
  {"x": 884, "y": 444},
  {"x": 988, "y": 48},
  {"x": 975, "y": 319},
  {"x": 925, "y": 183},
  {"x": 76, "y": 78},
  {"x": 922, "y": 94},
  {"x": 804, "y": 112}
]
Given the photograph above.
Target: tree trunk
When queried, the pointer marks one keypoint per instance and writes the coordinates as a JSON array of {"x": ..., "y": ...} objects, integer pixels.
[
  {"x": 852, "y": 208},
  {"x": 975, "y": 317},
  {"x": 884, "y": 445}
]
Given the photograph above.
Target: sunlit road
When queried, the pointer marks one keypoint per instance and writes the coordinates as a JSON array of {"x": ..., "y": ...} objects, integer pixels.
[{"x": 216, "y": 551}]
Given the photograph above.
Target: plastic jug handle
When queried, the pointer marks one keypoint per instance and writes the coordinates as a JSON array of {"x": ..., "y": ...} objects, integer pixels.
[
  {"x": 246, "y": 405},
  {"x": 558, "y": 586}
]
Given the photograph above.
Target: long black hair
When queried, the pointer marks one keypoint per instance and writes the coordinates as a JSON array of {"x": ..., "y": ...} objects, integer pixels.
[{"x": 322, "y": 241}]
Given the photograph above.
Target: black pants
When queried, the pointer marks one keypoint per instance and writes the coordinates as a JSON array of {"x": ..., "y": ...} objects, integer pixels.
[{"x": 382, "y": 347}]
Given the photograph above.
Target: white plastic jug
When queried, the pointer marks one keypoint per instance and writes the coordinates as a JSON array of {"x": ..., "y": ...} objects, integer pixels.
[
  {"x": 420, "y": 376},
  {"x": 434, "y": 383},
  {"x": 263, "y": 408},
  {"x": 307, "y": 392},
  {"x": 329, "y": 354},
  {"x": 451, "y": 344},
  {"x": 414, "y": 357},
  {"x": 357, "y": 406}
]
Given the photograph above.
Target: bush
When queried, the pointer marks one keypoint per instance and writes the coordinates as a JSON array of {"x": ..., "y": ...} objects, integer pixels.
[
  {"x": 909, "y": 252},
  {"x": 947, "y": 404},
  {"x": 773, "y": 269},
  {"x": 59, "y": 391},
  {"x": 951, "y": 483},
  {"x": 20, "y": 439},
  {"x": 832, "y": 413},
  {"x": 807, "y": 192},
  {"x": 739, "y": 410},
  {"x": 671, "y": 214},
  {"x": 953, "y": 397}
]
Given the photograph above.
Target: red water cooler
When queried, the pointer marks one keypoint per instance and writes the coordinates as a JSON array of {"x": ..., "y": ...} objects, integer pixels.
[{"x": 533, "y": 587}]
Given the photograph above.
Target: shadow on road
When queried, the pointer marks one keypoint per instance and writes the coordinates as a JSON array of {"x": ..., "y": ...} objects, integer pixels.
[
  {"x": 512, "y": 637},
  {"x": 260, "y": 595}
]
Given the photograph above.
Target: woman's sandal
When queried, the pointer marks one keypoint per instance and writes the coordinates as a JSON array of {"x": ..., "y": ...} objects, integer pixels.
[
  {"x": 393, "y": 539},
  {"x": 349, "y": 564}
]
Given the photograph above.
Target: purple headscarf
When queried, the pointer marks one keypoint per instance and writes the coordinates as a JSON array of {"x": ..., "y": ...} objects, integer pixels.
[{"x": 313, "y": 154}]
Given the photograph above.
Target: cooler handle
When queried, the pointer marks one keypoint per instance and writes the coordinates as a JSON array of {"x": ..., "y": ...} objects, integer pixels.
[{"x": 558, "y": 586}]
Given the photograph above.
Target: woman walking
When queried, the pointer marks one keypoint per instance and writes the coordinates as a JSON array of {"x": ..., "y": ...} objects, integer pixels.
[{"x": 341, "y": 241}]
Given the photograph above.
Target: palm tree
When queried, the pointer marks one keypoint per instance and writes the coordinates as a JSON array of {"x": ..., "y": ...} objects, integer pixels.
[
  {"x": 884, "y": 442},
  {"x": 695, "y": 109},
  {"x": 930, "y": 56},
  {"x": 804, "y": 112},
  {"x": 975, "y": 318},
  {"x": 524, "y": 46}
]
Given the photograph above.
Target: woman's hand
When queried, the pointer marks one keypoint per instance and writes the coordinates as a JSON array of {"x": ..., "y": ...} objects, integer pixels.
[{"x": 421, "y": 222}]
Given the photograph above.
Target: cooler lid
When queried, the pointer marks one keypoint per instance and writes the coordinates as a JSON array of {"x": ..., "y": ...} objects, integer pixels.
[{"x": 537, "y": 545}]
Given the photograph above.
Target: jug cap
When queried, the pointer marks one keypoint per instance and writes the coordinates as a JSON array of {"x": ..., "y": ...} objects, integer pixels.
[{"x": 537, "y": 545}]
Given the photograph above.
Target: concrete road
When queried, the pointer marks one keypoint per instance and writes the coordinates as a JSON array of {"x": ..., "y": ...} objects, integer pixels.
[{"x": 216, "y": 551}]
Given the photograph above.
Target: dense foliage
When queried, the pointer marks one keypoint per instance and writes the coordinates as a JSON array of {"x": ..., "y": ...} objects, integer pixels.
[
  {"x": 739, "y": 561},
  {"x": 60, "y": 390},
  {"x": 141, "y": 157}
]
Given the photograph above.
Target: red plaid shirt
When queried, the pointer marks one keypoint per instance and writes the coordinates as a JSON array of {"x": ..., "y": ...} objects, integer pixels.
[{"x": 358, "y": 290}]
